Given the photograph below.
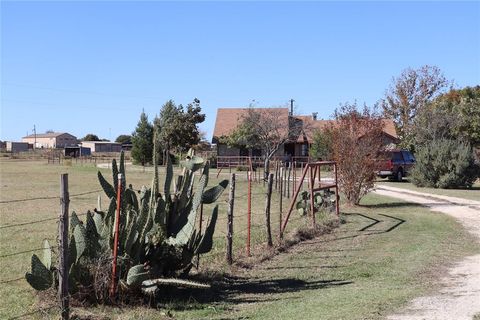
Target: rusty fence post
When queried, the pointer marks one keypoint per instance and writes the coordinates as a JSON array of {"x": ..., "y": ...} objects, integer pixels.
[
  {"x": 280, "y": 202},
  {"x": 249, "y": 211},
  {"x": 115, "y": 241},
  {"x": 63, "y": 248}
]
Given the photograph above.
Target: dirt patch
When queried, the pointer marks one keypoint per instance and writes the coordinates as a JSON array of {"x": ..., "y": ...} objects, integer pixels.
[{"x": 459, "y": 296}]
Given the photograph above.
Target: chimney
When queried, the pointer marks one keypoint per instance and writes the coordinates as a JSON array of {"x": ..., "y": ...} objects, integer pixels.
[{"x": 314, "y": 115}]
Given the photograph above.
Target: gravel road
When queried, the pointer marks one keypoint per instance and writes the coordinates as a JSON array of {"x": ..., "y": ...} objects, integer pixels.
[{"x": 459, "y": 296}]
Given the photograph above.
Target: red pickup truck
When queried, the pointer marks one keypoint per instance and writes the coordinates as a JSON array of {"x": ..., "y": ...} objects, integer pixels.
[{"x": 395, "y": 164}]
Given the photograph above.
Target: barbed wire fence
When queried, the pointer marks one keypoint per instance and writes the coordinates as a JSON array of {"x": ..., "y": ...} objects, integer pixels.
[
  {"x": 6, "y": 256},
  {"x": 247, "y": 228}
]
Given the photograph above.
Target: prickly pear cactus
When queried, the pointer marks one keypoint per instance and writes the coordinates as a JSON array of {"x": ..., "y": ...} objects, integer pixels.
[{"x": 157, "y": 235}]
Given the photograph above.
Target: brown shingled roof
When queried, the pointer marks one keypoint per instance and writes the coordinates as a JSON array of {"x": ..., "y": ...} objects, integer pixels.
[
  {"x": 229, "y": 118},
  {"x": 313, "y": 125}
]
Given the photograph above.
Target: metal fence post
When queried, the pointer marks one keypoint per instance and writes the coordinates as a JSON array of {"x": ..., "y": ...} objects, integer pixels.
[
  {"x": 280, "y": 201},
  {"x": 249, "y": 211},
  {"x": 115, "y": 241}
]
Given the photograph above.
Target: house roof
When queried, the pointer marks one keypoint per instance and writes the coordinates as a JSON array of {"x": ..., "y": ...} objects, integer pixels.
[
  {"x": 310, "y": 126},
  {"x": 101, "y": 142},
  {"x": 46, "y": 135},
  {"x": 229, "y": 118}
]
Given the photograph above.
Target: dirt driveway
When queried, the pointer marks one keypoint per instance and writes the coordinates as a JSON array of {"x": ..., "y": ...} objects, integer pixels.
[{"x": 459, "y": 297}]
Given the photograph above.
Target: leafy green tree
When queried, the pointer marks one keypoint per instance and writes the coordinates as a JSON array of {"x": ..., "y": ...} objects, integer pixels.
[
  {"x": 454, "y": 115},
  {"x": 124, "y": 138},
  {"x": 321, "y": 148},
  {"x": 408, "y": 94},
  {"x": 460, "y": 112},
  {"x": 445, "y": 163},
  {"x": 177, "y": 126},
  {"x": 90, "y": 137},
  {"x": 142, "y": 141}
]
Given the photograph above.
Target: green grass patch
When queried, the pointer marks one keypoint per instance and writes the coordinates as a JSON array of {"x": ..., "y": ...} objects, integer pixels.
[
  {"x": 386, "y": 253},
  {"x": 470, "y": 194}
]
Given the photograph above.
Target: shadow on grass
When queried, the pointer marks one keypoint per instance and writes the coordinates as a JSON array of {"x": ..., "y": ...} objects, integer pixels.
[
  {"x": 366, "y": 230},
  {"x": 391, "y": 205},
  {"x": 233, "y": 290}
]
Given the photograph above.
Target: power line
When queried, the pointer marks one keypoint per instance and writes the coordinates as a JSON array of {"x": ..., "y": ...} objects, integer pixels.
[{"x": 87, "y": 92}]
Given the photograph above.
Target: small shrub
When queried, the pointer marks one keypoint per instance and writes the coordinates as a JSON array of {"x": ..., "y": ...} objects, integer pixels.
[
  {"x": 356, "y": 140},
  {"x": 445, "y": 163}
]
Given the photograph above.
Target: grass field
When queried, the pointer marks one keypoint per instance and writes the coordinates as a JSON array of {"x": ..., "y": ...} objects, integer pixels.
[
  {"x": 21, "y": 180},
  {"x": 471, "y": 194},
  {"x": 358, "y": 272}
]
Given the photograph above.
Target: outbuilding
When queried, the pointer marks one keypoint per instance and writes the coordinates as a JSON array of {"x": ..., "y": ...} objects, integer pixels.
[
  {"x": 51, "y": 140},
  {"x": 102, "y": 146},
  {"x": 16, "y": 147}
]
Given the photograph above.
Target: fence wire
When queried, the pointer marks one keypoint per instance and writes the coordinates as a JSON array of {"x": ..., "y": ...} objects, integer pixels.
[{"x": 239, "y": 220}]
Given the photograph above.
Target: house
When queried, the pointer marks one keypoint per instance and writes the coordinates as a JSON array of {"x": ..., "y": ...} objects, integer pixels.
[
  {"x": 51, "y": 140},
  {"x": 300, "y": 140},
  {"x": 229, "y": 118},
  {"x": 102, "y": 146},
  {"x": 15, "y": 147}
]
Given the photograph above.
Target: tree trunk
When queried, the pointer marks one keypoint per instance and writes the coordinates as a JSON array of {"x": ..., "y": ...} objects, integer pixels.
[{"x": 266, "y": 170}]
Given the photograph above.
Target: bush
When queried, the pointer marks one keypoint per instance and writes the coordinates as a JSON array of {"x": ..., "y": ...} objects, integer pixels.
[
  {"x": 445, "y": 163},
  {"x": 356, "y": 140}
]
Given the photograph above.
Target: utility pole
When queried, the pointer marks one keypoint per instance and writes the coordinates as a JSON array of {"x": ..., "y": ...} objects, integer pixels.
[
  {"x": 291, "y": 106},
  {"x": 35, "y": 138}
]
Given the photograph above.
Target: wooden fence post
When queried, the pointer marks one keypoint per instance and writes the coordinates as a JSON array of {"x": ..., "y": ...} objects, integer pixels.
[
  {"x": 63, "y": 248},
  {"x": 231, "y": 202},
  {"x": 276, "y": 175},
  {"x": 294, "y": 175},
  {"x": 267, "y": 210},
  {"x": 288, "y": 179}
]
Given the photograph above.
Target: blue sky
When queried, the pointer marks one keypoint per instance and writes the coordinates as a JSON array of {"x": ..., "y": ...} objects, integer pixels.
[{"x": 91, "y": 67}]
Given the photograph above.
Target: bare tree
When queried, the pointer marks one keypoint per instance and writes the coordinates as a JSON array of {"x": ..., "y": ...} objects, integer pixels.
[
  {"x": 408, "y": 93},
  {"x": 266, "y": 129}
]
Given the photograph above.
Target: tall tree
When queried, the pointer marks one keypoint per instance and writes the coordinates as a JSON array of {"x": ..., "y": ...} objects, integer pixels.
[
  {"x": 142, "y": 141},
  {"x": 356, "y": 141},
  {"x": 177, "y": 126},
  {"x": 454, "y": 115},
  {"x": 408, "y": 93}
]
